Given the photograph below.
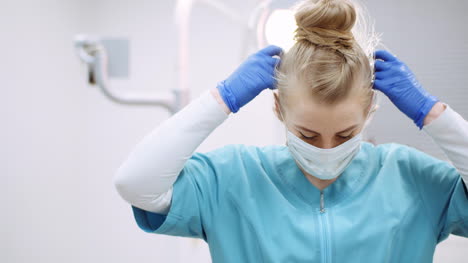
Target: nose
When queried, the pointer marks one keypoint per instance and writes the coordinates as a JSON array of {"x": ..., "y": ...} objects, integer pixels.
[{"x": 328, "y": 144}]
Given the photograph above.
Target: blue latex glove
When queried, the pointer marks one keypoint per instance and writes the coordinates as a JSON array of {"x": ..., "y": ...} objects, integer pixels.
[
  {"x": 395, "y": 79},
  {"x": 255, "y": 74}
]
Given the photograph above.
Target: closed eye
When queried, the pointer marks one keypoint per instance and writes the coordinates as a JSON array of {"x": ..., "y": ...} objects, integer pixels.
[{"x": 313, "y": 137}]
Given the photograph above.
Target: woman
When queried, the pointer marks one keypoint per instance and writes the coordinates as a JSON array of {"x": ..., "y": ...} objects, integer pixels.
[{"x": 326, "y": 195}]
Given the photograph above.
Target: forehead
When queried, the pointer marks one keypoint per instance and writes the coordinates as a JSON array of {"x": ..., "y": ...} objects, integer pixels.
[{"x": 322, "y": 117}]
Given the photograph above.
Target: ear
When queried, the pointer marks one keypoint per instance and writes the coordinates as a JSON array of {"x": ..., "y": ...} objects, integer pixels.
[{"x": 276, "y": 107}]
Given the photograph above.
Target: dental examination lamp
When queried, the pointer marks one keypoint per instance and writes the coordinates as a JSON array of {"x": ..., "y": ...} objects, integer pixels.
[{"x": 270, "y": 22}]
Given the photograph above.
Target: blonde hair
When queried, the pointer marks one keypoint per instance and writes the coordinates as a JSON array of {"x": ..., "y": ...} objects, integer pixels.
[{"x": 333, "y": 54}]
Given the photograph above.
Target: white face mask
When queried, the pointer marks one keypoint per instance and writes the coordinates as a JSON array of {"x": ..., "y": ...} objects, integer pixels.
[{"x": 325, "y": 164}]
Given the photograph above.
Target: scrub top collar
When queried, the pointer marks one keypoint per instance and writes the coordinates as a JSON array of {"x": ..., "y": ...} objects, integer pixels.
[{"x": 342, "y": 188}]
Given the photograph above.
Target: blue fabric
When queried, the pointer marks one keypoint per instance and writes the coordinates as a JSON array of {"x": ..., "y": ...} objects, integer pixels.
[{"x": 393, "y": 203}]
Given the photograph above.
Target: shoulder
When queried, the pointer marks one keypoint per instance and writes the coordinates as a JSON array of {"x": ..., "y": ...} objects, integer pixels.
[
  {"x": 392, "y": 149},
  {"x": 417, "y": 163},
  {"x": 236, "y": 159},
  {"x": 397, "y": 152},
  {"x": 403, "y": 152},
  {"x": 246, "y": 162},
  {"x": 232, "y": 152}
]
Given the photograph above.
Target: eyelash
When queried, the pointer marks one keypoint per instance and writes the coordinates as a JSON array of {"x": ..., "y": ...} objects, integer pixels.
[{"x": 313, "y": 137}]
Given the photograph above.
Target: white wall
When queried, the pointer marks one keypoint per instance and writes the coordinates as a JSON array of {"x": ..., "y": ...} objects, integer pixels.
[{"x": 63, "y": 140}]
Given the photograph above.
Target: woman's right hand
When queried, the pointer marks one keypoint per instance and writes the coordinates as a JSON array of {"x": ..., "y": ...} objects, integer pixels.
[{"x": 254, "y": 75}]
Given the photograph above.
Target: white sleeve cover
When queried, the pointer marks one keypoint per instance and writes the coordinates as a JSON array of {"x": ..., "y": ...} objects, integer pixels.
[
  {"x": 450, "y": 132},
  {"x": 145, "y": 179}
]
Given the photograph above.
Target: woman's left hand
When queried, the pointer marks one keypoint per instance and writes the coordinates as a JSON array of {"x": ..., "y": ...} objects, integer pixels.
[{"x": 397, "y": 81}]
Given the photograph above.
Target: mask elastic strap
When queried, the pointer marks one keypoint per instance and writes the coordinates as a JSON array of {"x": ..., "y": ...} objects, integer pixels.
[
  {"x": 284, "y": 123},
  {"x": 374, "y": 103}
]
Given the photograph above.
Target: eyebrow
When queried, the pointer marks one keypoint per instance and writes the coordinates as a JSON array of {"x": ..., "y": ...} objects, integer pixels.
[{"x": 345, "y": 130}]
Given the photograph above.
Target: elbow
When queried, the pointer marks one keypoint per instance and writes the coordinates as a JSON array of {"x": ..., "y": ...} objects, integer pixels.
[
  {"x": 132, "y": 186},
  {"x": 122, "y": 184},
  {"x": 138, "y": 197},
  {"x": 118, "y": 182}
]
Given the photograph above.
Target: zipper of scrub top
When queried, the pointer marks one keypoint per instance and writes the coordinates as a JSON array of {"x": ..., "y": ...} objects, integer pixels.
[{"x": 323, "y": 220}]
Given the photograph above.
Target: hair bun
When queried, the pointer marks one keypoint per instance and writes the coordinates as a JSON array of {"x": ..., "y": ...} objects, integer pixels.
[{"x": 326, "y": 23}]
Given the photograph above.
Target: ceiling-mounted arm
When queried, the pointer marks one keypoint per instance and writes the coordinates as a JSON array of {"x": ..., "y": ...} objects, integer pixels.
[{"x": 92, "y": 52}]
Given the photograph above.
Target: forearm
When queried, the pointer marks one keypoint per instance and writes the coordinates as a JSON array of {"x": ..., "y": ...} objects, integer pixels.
[
  {"x": 435, "y": 112},
  {"x": 219, "y": 99},
  {"x": 449, "y": 130},
  {"x": 146, "y": 177}
]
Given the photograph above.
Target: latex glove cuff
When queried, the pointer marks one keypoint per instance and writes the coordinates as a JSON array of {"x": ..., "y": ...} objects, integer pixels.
[
  {"x": 424, "y": 110},
  {"x": 227, "y": 96}
]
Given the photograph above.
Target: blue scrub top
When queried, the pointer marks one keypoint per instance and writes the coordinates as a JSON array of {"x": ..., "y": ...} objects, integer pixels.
[{"x": 393, "y": 203}]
